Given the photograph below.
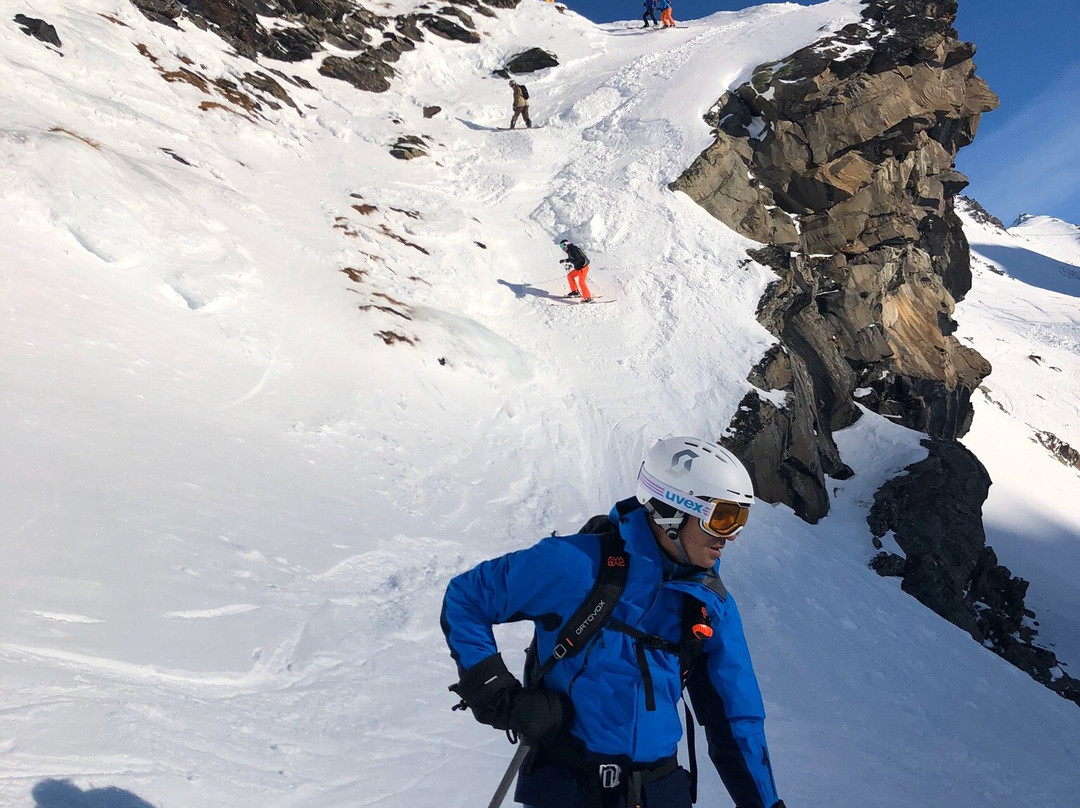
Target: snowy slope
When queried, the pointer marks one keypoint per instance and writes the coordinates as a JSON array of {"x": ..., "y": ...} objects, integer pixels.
[
  {"x": 230, "y": 509},
  {"x": 1022, "y": 315},
  {"x": 1039, "y": 251},
  {"x": 1050, "y": 236}
]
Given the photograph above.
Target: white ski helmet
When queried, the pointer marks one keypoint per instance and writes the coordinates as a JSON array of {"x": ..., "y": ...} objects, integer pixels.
[{"x": 683, "y": 477}]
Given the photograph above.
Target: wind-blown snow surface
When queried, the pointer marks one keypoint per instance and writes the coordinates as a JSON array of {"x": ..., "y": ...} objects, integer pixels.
[{"x": 230, "y": 510}]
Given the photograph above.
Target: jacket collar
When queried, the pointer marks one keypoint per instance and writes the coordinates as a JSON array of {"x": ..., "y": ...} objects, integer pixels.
[{"x": 634, "y": 528}]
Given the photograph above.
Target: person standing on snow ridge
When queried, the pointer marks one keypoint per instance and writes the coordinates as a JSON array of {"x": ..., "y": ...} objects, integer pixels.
[
  {"x": 665, "y": 13},
  {"x": 578, "y": 264},
  {"x": 650, "y": 12},
  {"x": 521, "y": 105},
  {"x": 602, "y": 721}
]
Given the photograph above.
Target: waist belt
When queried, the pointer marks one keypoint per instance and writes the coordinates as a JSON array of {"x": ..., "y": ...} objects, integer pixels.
[
  {"x": 597, "y": 778},
  {"x": 631, "y": 779}
]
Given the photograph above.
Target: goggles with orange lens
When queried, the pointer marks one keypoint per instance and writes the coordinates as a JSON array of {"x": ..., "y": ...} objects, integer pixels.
[
  {"x": 719, "y": 517},
  {"x": 725, "y": 519}
]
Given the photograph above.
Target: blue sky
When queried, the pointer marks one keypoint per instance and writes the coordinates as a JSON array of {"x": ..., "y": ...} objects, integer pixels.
[{"x": 1026, "y": 158}]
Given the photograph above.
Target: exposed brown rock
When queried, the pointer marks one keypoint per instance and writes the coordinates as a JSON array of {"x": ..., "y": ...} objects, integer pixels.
[
  {"x": 409, "y": 147},
  {"x": 1061, "y": 450},
  {"x": 341, "y": 24},
  {"x": 852, "y": 141},
  {"x": 531, "y": 60},
  {"x": 162, "y": 11},
  {"x": 841, "y": 156},
  {"x": 363, "y": 73},
  {"x": 39, "y": 29},
  {"x": 977, "y": 212}
]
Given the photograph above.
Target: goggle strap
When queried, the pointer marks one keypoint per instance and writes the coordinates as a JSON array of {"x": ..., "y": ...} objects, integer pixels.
[
  {"x": 691, "y": 505},
  {"x": 675, "y": 498}
]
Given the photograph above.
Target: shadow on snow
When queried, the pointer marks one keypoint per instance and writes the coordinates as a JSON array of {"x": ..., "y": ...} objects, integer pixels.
[
  {"x": 478, "y": 127},
  {"x": 1033, "y": 268},
  {"x": 65, "y": 794},
  {"x": 523, "y": 290}
]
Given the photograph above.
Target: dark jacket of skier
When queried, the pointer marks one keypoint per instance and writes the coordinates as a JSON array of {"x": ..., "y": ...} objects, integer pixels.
[
  {"x": 624, "y": 696},
  {"x": 577, "y": 256},
  {"x": 650, "y": 13}
]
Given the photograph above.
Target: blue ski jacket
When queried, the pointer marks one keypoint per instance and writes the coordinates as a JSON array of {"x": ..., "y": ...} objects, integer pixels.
[{"x": 546, "y": 583}]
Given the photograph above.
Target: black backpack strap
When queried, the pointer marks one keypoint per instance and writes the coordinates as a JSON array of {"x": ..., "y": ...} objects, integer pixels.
[
  {"x": 642, "y": 641},
  {"x": 598, "y": 605},
  {"x": 696, "y": 629},
  {"x": 691, "y": 750},
  {"x": 712, "y": 581},
  {"x": 599, "y": 524}
]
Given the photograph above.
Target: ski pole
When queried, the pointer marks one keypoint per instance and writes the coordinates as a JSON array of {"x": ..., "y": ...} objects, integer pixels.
[{"x": 508, "y": 778}]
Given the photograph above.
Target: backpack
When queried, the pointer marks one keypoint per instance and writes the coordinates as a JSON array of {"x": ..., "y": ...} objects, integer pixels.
[
  {"x": 595, "y": 611},
  {"x": 578, "y": 258},
  {"x": 524, "y": 91}
]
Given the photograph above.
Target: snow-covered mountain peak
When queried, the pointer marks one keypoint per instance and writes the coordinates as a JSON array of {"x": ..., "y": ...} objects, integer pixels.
[
  {"x": 1038, "y": 250},
  {"x": 1054, "y": 237}
]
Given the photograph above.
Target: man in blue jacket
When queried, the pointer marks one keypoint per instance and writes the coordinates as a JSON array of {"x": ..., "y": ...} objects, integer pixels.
[
  {"x": 603, "y": 722},
  {"x": 650, "y": 11}
]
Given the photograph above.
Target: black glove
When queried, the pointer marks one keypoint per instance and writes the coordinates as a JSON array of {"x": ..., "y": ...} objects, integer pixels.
[
  {"x": 497, "y": 699},
  {"x": 779, "y": 804},
  {"x": 487, "y": 688},
  {"x": 540, "y": 716}
]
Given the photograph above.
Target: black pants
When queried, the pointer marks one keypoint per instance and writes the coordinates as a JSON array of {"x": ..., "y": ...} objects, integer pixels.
[
  {"x": 645, "y": 18},
  {"x": 551, "y": 785}
]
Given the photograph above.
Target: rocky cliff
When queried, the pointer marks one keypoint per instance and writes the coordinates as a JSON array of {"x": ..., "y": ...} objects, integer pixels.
[
  {"x": 840, "y": 159},
  {"x": 298, "y": 29},
  {"x": 934, "y": 511}
]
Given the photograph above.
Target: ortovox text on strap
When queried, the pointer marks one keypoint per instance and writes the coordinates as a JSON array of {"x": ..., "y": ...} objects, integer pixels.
[{"x": 598, "y": 605}]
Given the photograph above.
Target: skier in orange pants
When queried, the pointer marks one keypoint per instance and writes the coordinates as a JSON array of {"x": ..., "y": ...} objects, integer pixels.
[
  {"x": 665, "y": 13},
  {"x": 578, "y": 264}
]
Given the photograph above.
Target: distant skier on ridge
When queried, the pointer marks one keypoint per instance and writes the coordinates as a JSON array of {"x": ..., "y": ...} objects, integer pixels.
[
  {"x": 626, "y": 613},
  {"x": 665, "y": 13},
  {"x": 650, "y": 13}
]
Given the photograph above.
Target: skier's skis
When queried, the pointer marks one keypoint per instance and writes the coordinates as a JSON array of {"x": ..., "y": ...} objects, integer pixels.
[{"x": 577, "y": 300}]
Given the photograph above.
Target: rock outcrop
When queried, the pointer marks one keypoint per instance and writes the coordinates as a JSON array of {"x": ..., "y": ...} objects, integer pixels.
[
  {"x": 39, "y": 29},
  {"x": 375, "y": 42},
  {"x": 977, "y": 212},
  {"x": 409, "y": 147},
  {"x": 531, "y": 60},
  {"x": 840, "y": 157},
  {"x": 935, "y": 514},
  {"x": 1062, "y": 451}
]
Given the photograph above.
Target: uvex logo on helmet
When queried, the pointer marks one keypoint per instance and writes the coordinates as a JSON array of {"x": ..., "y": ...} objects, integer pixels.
[{"x": 687, "y": 504}]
